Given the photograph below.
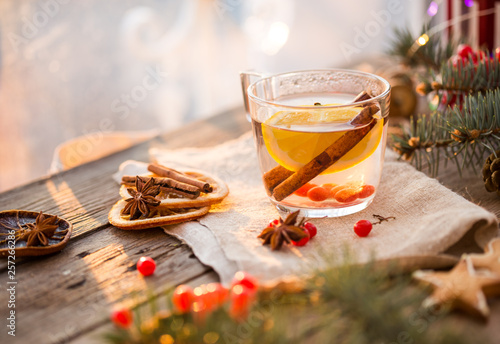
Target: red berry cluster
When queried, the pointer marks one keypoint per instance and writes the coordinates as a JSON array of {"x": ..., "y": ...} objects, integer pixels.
[
  {"x": 308, "y": 227},
  {"x": 346, "y": 193},
  {"x": 203, "y": 300},
  {"x": 206, "y": 298},
  {"x": 464, "y": 55}
]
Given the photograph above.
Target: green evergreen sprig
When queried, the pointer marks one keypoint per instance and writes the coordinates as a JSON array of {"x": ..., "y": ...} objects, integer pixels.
[
  {"x": 464, "y": 77},
  {"x": 421, "y": 143},
  {"x": 465, "y": 135},
  {"x": 430, "y": 55},
  {"x": 347, "y": 304}
]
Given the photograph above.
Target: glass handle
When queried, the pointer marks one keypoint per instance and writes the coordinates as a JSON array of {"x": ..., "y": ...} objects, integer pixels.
[{"x": 248, "y": 78}]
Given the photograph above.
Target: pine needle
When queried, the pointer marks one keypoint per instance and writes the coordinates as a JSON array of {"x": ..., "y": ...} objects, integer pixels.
[{"x": 467, "y": 135}]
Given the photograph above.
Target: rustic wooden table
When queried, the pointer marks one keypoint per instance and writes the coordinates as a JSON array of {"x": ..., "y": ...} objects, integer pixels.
[{"x": 66, "y": 297}]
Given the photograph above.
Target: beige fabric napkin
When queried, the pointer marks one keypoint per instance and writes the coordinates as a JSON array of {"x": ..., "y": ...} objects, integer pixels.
[{"x": 429, "y": 218}]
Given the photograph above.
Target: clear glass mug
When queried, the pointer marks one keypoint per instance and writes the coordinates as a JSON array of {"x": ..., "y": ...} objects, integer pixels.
[{"x": 319, "y": 150}]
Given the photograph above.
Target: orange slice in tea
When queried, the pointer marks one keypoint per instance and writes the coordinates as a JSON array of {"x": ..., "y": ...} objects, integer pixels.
[{"x": 293, "y": 138}]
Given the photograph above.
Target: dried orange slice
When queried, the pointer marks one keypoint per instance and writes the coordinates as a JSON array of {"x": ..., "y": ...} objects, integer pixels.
[
  {"x": 166, "y": 216},
  {"x": 295, "y": 138}
]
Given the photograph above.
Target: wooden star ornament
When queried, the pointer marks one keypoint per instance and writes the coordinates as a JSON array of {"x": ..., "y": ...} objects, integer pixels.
[
  {"x": 462, "y": 288},
  {"x": 490, "y": 259}
]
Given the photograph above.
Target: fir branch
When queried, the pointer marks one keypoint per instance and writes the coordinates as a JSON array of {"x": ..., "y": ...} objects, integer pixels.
[
  {"x": 462, "y": 77},
  {"x": 423, "y": 140},
  {"x": 466, "y": 135},
  {"x": 346, "y": 304},
  {"x": 469, "y": 76},
  {"x": 430, "y": 55}
]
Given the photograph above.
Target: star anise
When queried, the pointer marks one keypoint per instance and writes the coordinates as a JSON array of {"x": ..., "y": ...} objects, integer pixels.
[
  {"x": 143, "y": 198},
  {"x": 41, "y": 231},
  {"x": 286, "y": 231}
]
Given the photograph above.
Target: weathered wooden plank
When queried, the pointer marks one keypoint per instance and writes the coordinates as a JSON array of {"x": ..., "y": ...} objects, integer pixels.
[
  {"x": 59, "y": 297},
  {"x": 63, "y": 297}
]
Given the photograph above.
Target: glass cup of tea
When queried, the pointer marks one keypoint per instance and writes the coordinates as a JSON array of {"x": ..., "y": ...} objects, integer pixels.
[{"x": 320, "y": 137}]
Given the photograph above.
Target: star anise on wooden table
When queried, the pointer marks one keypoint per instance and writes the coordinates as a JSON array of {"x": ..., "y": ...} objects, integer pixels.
[
  {"x": 143, "y": 198},
  {"x": 41, "y": 231},
  {"x": 286, "y": 231}
]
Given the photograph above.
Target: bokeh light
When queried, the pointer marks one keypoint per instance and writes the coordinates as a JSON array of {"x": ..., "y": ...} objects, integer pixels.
[
  {"x": 422, "y": 40},
  {"x": 469, "y": 3},
  {"x": 433, "y": 9}
]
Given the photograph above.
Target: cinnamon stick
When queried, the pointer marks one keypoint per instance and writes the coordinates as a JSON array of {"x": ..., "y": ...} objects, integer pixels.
[
  {"x": 167, "y": 183},
  {"x": 181, "y": 177},
  {"x": 178, "y": 192},
  {"x": 274, "y": 177},
  {"x": 361, "y": 97},
  {"x": 329, "y": 156},
  {"x": 168, "y": 190}
]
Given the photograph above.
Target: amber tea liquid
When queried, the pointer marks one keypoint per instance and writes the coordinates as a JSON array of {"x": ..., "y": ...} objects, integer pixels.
[{"x": 294, "y": 138}]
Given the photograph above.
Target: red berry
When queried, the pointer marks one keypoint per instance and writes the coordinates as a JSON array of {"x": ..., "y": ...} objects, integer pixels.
[
  {"x": 241, "y": 301},
  {"x": 245, "y": 279},
  {"x": 302, "y": 241},
  {"x": 363, "y": 227},
  {"x": 366, "y": 191},
  {"x": 202, "y": 299},
  {"x": 302, "y": 191},
  {"x": 465, "y": 50},
  {"x": 202, "y": 304},
  {"x": 183, "y": 298},
  {"x": 274, "y": 223},
  {"x": 335, "y": 189},
  {"x": 329, "y": 186},
  {"x": 209, "y": 296},
  {"x": 318, "y": 194},
  {"x": 218, "y": 293},
  {"x": 311, "y": 228},
  {"x": 347, "y": 195},
  {"x": 146, "y": 266},
  {"x": 122, "y": 318}
]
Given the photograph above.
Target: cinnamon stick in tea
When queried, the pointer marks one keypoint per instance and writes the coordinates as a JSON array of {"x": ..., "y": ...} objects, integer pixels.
[
  {"x": 362, "y": 97},
  {"x": 166, "y": 183},
  {"x": 181, "y": 177},
  {"x": 329, "y": 156},
  {"x": 278, "y": 174},
  {"x": 275, "y": 176}
]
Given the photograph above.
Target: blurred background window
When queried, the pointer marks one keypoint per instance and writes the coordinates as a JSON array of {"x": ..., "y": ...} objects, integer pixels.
[{"x": 90, "y": 68}]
